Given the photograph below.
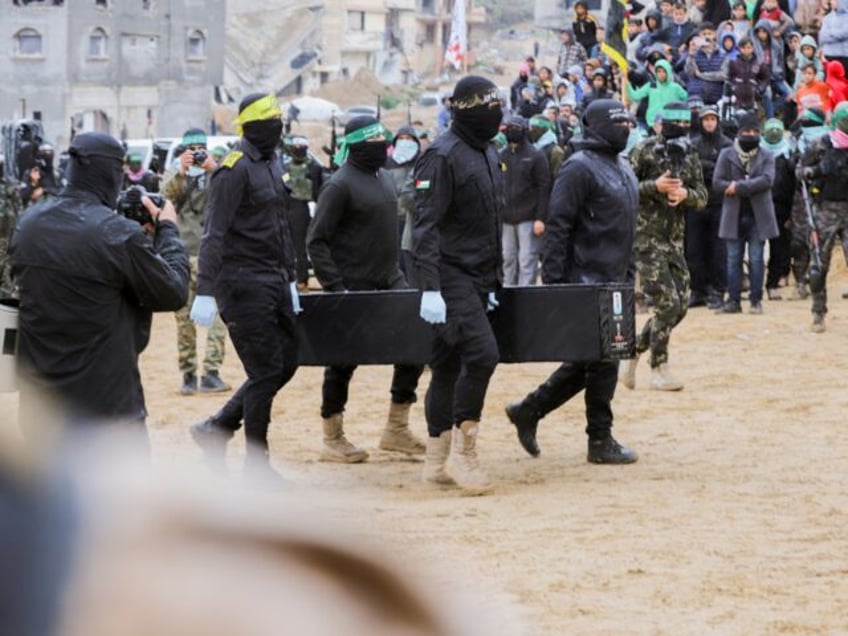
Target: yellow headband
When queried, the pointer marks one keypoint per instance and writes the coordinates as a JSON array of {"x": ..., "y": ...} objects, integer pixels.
[{"x": 263, "y": 108}]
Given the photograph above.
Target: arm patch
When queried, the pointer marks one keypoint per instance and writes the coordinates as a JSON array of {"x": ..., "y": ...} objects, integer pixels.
[{"x": 231, "y": 158}]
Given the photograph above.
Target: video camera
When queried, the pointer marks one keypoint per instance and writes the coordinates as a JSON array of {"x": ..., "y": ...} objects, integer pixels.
[
  {"x": 672, "y": 155},
  {"x": 130, "y": 205}
]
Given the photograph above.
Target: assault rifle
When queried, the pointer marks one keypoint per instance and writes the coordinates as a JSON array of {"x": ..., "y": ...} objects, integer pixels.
[{"x": 816, "y": 269}]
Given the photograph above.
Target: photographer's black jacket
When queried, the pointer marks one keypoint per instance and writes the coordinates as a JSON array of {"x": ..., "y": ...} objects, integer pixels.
[
  {"x": 459, "y": 196},
  {"x": 353, "y": 239},
  {"x": 89, "y": 281},
  {"x": 591, "y": 218},
  {"x": 246, "y": 233}
]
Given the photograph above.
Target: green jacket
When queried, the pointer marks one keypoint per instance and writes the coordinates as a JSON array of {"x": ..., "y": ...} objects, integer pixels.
[{"x": 658, "y": 94}]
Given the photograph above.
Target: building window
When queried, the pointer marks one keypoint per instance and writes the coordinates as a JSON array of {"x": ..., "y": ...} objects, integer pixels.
[
  {"x": 356, "y": 20},
  {"x": 28, "y": 42},
  {"x": 196, "y": 44},
  {"x": 101, "y": 3},
  {"x": 97, "y": 41}
]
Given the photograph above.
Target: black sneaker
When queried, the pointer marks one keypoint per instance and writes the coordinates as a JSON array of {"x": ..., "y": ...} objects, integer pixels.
[
  {"x": 715, "y": 302},
  {"x": 212, "y": 439},
  {"x": 189, "y": 386},
  {"x": 697, "y": 299},
  {"x": 211, "y": 383},
  {"x": 526, "y": 420},
  {"x": 730, "y": 307},
  {"x": 609, "y": 451}
]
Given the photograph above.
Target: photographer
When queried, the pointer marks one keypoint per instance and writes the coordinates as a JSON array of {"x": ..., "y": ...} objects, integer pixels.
[
  {"x": 89, "y": 281},
  {"x": 188, "y": 188}
]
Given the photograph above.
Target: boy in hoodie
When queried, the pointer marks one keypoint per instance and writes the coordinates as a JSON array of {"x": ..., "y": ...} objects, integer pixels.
[
  {"x": 837, "y": 82},
  {"x": 807, "y": 54},
  {"x": 658, "y": 93},
  {"x": 769, "y": 50},
  {"x": 599, "y": 89},
  {"x": 747, "y": 75},
  {"x": 729, "y": 45}
]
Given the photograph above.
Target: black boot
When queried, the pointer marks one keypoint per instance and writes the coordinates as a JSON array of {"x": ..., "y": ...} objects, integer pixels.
[
  {"x": 211, "y": 383},
  {"x": 212, "y": 439},
  {"x": 189, "y": 386},
  {"x": 526, "y": 420},
  {"x": 258, "y": 472},
  {"x": 609, "y": 451}
]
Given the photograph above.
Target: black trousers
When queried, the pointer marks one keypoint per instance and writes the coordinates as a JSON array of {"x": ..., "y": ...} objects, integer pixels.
[
  {"x": 705, "y": 251},
  {"x": 261, "y": 323},
  {"x": 465, "y": 354},
  {"x": 599, "y": 379},
  {"x": 780, "y": 247},
  {"x": 334, "y": 391},
  {"x": 299, "y": 223}
]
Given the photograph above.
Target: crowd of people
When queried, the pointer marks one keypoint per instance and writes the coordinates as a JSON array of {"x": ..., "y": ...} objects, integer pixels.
[{"x": 726, "y": 130}]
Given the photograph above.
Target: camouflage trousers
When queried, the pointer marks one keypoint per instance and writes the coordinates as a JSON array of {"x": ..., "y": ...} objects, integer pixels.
[
  {"x": 832, "y": 224},
  {"x": 187, "y": 335},
  {"x": 665, "y": 278},
  {"x": 799, "y": 245},
  {"x": 7, "y": 289}
]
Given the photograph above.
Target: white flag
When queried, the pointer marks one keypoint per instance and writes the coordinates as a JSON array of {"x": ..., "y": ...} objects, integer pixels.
[{"x": 457, "y": 44}]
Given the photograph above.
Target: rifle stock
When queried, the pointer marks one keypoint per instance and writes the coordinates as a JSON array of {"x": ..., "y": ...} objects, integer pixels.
[{"x": 816, "y": 269}]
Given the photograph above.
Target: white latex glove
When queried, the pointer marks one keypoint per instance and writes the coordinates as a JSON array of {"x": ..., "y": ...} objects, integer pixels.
[
  {"x": 433, "y": 308},
  {"x": 203, "y": 310},
  {"x": 295, "y": 299},
  {"x": 492, "y": 302}
]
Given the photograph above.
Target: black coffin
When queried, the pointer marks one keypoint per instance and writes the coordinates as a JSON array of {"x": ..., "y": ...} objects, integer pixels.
[{"x": 550, "y": 323}]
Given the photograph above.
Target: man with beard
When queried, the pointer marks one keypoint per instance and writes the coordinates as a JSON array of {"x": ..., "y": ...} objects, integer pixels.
[
  {"x": 89, "y": 281},
  {"x": 457, "y": 253},
  {"x": 246, "y": 269},
  {"x": 353, "y": 245},
  {"x": 589, "y": 240}
]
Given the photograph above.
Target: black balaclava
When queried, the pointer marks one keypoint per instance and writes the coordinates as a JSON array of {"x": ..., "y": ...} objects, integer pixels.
[
  {"x": 749, "y": 132},
  {"x": 263, "y": 134},
  {"x": 602, "y": 122},
  {"x": 516, "y": 129},
  {"x": 368, "y": 155},
  {"x": 96, "y": 165},
  {"x": 476, "y": 111}
]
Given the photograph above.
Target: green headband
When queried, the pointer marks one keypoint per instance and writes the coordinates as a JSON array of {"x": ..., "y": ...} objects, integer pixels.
[
  {"x": 361, "y": 134},
  {"x": 194, "y": 140},
  {"x": 676, "y": 115},
  {"x": 542, "y": 122}
]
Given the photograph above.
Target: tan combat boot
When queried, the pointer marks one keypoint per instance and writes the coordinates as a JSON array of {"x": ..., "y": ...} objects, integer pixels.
[
  {"x": 397, "y": 436},
  {"x": 462, "y": 462},
  {"x": 663, "y": 380},
  {"x": 627, "y": 372},
  {"x": 438, "y": 449},
  {"x": 818, "y": 323},
  {"x": 336, "y": 447},
  {"x": 801, "y": 292}
]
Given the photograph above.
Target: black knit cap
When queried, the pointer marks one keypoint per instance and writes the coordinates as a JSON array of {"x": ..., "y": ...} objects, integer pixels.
[
  {"x": 358, "y": 122},
  {"x": 406, "y": 130},
  {"x": 749, "y": 121}
]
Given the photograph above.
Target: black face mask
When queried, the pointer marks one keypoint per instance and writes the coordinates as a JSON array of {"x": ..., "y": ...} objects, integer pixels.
[
  {"x": 298, "y": 154},
  {"x": 673, "y": 131},
  {"x": 514, "y": 135},
  {"x": 749, "y": 142},
  {"x": 477, "y": 125},
  {"x": 96, "y": 166},
  {"x": 264, "y": 135},
  {"x": 369, "y": 155}
]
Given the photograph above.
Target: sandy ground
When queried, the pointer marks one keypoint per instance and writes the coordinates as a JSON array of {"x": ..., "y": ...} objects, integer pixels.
[{"x": 732, "y": 522}]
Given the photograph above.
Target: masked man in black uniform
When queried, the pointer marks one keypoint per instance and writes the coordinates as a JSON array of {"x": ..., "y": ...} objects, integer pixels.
[
  {"x": 89, "y": 281},
  {"x": 457, "y": 254},
  {"x": 589, "y": 239},
  {"x": 246, "y": 269},
  {"x": 353, "y": 245}
]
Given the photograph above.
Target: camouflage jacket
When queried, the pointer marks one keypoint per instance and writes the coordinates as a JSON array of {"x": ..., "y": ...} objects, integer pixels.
[
  {"x": 660, "y": 226},
  {"x": 188, "y": 194},
  {"x": 10, "y": 206}
]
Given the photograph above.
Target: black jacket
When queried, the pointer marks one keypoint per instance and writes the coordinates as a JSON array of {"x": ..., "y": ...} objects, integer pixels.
[
  {"x": 591, "y": 219},
  {"x": 456, "y": 225},
  {"x": 247, "y": 228},
  {"x": 89, "y": 281},
  {"x": 527, "y": 181},
  {"x": 709, "y": 146},
  {"x": 353, "y": 239}
]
